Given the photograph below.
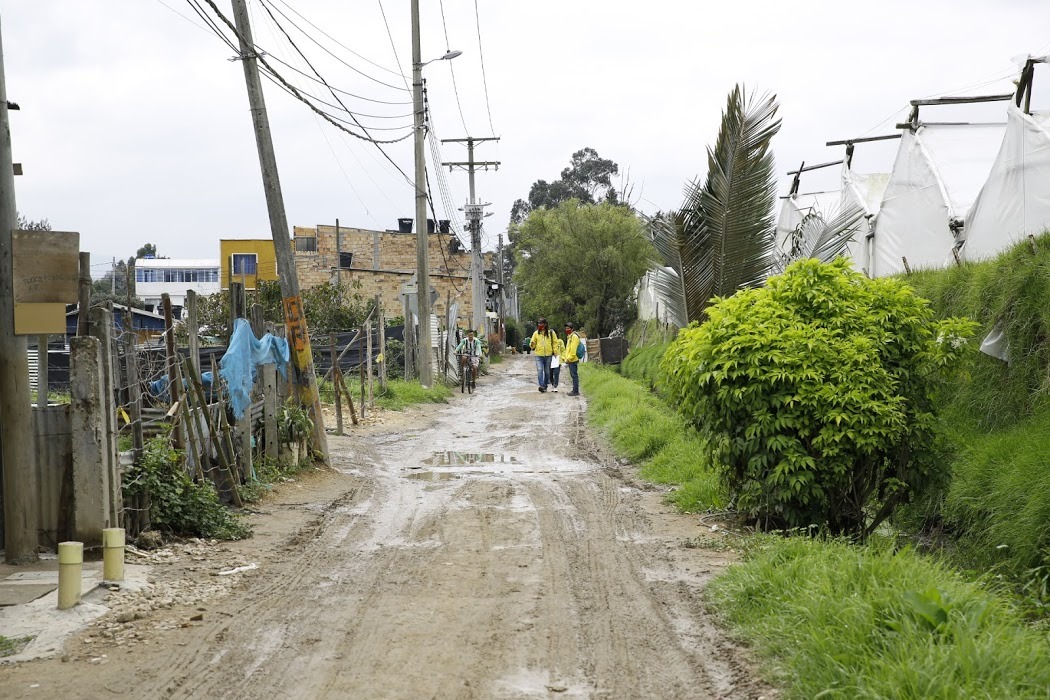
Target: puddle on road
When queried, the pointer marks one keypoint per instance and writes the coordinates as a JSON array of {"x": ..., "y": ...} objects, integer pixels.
[
  {"x": 432, "y": 476},
  {"x": 453, "y": 459}
]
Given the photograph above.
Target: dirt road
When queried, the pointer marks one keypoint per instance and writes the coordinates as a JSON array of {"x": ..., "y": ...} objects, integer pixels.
[{"x": 481, "y": 549}]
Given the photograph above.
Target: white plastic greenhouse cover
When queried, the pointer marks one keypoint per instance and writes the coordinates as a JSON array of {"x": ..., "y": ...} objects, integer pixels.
[
  {"x": 936, "y": 177},
  {"x": 1015, "y": 201},
  {"x": 865, "y": 190},
  {"x": 796, "y": 207}
]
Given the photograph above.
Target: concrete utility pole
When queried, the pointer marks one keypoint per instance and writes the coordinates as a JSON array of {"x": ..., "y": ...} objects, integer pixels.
[
  {"x": 295, "y": 319},
  {"x": 422, "y": 233},
  {"x": 16, "y": 418},
  {"x": 475, "y": 213}
]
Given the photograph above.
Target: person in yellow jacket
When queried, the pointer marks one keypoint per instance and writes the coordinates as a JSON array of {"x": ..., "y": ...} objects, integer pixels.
[
  {"x": 542, "y": 344},
  {"x": 556, "y": 362},
  {"x": 570, "y": 358}
]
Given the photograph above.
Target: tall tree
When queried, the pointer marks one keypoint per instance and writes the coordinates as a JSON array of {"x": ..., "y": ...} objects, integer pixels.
[
  {"x": 588, "y": 178},
  {"x": 579, "y": 262}
]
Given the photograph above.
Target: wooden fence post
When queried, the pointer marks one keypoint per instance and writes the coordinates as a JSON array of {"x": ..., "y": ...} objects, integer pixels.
[
  {"x": 335, "y": 385},
  {"x": 382, "y": 343}
]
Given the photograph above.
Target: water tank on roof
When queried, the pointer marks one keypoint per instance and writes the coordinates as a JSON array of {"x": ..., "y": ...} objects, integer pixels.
[{"x": 404, "y": 225}]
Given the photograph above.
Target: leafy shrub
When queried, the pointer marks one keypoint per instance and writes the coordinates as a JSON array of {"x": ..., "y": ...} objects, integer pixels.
[
  {"x": 179, "y": 505},
  {"x": 816, "y": 394},
  {"x": 394, "y": 357},
  {"x": 514, "y": 336}
]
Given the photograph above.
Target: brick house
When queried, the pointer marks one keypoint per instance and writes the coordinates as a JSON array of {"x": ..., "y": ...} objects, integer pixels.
[{"x": 382, "y": 261}]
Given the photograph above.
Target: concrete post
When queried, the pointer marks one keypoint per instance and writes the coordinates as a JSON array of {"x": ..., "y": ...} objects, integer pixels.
[{"x": 92, "y": 462}]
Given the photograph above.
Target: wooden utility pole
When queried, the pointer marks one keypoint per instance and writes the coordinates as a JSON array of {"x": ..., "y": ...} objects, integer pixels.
[
  {"x": 475, "y": 213},
  {"x": 16, "y": 417},
  {"x": 298, "y": 335}
]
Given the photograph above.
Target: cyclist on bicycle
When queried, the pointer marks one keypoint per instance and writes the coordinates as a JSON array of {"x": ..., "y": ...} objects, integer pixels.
[{"x": 471, "y": 347}]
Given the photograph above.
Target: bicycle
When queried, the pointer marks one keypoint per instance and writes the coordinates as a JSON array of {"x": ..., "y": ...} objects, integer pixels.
[{"x": 467, "y": 379}]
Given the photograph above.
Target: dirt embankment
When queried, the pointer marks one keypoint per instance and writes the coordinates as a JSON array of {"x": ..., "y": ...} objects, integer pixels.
[{"x": 483, "y": 549}]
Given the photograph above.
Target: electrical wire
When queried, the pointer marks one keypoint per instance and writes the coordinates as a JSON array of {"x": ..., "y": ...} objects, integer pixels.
[
  {"x": 455, "y": 88},
  {"x": 295, "y": 92},
  {"x": 484, "y": 79},
  {"x": 344, "y": 92},
  {"x": 393, "y": 48},
  {"x": 337, "y": 42},
  {"x": 336, "y": 97},
  {"x": 267, "y": 5}
]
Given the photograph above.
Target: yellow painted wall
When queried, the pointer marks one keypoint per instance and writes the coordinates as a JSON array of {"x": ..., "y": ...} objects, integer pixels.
[{"x": 266, "y": 260}]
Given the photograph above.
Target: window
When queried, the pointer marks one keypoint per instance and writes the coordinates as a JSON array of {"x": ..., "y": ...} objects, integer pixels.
[
  {"x": 346, "y": 260},
  {"x": 243, "y": 263},
  {"x": 305, "y": 244}
]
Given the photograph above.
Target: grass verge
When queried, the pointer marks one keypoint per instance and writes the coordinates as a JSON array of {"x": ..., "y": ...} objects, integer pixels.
[
  {"x": 836, "y": 620},
  {"x": 399, "y": 393},
  {"x": 646, "y": 431}
]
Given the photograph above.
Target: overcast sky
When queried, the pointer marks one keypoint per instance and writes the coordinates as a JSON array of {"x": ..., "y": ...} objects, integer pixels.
[{"x": 134, "y": 125}]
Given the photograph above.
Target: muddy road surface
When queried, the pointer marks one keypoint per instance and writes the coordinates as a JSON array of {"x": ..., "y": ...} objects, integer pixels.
[{"x": 487, "y": 548}]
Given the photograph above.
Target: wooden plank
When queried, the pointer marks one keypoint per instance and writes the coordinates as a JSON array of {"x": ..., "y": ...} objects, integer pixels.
[{"x": 46, "y": 267}]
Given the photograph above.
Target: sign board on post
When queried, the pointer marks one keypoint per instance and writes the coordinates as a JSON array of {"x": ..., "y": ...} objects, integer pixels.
[{"x": 46, "y": 278}]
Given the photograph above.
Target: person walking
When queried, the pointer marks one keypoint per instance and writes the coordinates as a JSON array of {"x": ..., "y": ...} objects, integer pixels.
[
  {"x": 556, "y": 361},
  {"x": 542, "y": 344},
  {"x": 570, "y": 357}
]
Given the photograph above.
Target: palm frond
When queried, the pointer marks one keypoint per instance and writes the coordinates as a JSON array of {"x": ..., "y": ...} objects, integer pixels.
[
  {"x": 825, "y": 239},
  {"x": 728, "y": 224},
  {"x": 665, "y": 282}
]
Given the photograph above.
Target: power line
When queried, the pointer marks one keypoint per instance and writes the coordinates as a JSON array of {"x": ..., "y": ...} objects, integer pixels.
[
  {"x": 393, "y": 48},
  {"x": 267, "y": 5},
  {"x": 336, "y": 41},
  {"x": 481, "y": 55},
  {"x": 452, "y": 70},
  {"x": 295, "y": 92},
  {"x": 344, "y": 92}
]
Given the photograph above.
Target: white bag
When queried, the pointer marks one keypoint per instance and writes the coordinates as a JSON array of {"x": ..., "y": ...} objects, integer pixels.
[{"x": 555, "y": 362}]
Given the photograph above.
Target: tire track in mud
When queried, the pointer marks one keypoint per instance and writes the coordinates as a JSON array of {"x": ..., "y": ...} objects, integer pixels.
[{"x": 490, "y": 552}]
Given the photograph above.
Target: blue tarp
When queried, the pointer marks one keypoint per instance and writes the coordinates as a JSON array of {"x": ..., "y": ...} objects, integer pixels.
[
  {"x": 159, "y": 387},
  {"x": 245, "y": 353}
]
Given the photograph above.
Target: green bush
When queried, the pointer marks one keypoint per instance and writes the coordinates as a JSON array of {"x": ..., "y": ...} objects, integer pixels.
[
  {"x": 834, "y": 620},
  {"x": 179, "y": 505},
  {"x": 816, "y": 394},
  {"x": 514, "y": 333}
]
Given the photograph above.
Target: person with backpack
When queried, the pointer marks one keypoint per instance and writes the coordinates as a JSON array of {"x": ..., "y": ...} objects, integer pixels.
[
  {"x": 542, "y": 343},
  {"x": 575, "y": 350}
]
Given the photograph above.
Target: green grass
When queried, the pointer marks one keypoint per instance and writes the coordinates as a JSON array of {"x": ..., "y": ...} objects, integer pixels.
[
  {"x": 998, "y": 416},
  {"x": 400, "y": 394},
  {"x": 836, "y": 620},
  {"x": 9, "y": 646},
  {"x": 645, "y": 430},
  {"x": 643, "y": 364}
]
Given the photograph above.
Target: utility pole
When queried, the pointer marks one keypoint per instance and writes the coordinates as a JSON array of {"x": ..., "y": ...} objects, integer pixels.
[
  {"x": 113, "y": 279},
  {"x": 295, "y": 319},
  {"x": 474, "y": 212},
  {"x": 422, "y": 233},
  {"x": 501, "y": 300},
  {"x": 16, "y": 418}
]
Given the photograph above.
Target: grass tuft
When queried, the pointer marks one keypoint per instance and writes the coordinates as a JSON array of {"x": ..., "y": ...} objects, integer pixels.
[
  {"x": 645, "y": 430},
  {"x": 838, "y": 620}
]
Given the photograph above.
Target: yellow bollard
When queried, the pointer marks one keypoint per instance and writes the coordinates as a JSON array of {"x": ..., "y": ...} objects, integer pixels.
[
  {"x": 113, "y": 554},
  {"x": 70, "y": 570}
]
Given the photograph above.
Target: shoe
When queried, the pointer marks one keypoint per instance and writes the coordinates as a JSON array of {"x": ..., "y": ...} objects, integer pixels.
[
  {"x": 573, "y": 393},
  {"x": 542, "y": 389},
  {"x": 555, "y": 390}
]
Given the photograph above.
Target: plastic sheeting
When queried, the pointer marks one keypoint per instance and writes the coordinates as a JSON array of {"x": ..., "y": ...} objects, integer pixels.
[
  {"x": 937, "y": 175},
  {"x": 1015, "y": 201},
  {"x": 865, "y": 190},
  {"x": 245, "y": 353}
]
